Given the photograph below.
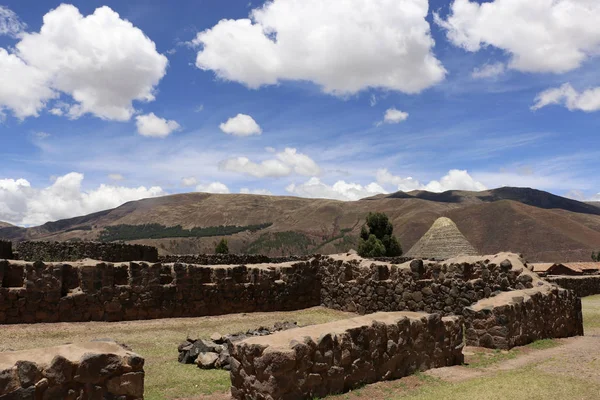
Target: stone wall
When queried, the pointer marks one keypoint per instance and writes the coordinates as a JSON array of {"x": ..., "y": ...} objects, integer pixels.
[
  {"x": 6, "y": 250},
  {"x": 97, "y": 370},
  {"x": 582, "y": 285},
  {"x": 73, "y": 251},
  {"x": 229, "y": 259},
  {"x": 521, "y": 317},
  {"x": 53, "y": 292},
  {"x": 315, "y": 361},
  {"x": 356, "y": 285}
]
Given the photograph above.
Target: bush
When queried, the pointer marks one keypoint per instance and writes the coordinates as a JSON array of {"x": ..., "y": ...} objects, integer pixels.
[
  {"x": 596, "y": 256},
  {"x": 222, "y": 247},
  {"x": 376, "y": 239}
]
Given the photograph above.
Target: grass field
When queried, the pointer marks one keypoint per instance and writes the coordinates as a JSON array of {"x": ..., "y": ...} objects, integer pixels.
[{"x": 157, "y": 341}]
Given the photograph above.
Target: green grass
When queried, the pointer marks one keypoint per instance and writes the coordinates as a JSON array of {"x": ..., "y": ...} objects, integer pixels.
[
  {"x": 521, "y": 384},
  {"x": 543, "y": 344},
  {"x": 286, "y": 242},
  {"x": 591, "y": 312},
  {"x": 485, "y": 359}
]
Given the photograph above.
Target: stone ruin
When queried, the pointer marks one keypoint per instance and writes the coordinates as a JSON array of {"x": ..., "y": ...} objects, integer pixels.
[
  {"x": 95, "y": 370},
  {"x": 414, "y": 313}
]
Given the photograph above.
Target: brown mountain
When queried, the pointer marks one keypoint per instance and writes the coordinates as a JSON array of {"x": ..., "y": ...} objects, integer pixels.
[{"x": 542, "y": 226}]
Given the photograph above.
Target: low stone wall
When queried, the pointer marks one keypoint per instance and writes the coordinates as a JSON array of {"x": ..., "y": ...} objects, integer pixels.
[
  {"x": 229, "y": 259},
  {"x": 53, "y": 292},
  {"x": 582, "y": 285},
  {"x": 315, "y": 361},
  {"x": 521, "y": 317},
  {"x": 97, "y": 370},
  {"x": 356, "y": 285},
  {"x": 73, "y": 251},
  {"x": 6, "y": 250}
]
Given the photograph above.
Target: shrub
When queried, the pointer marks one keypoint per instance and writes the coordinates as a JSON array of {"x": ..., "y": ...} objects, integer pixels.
[
  {"x": 376, "y": 238},
  {"x": 222, "y": 247}
]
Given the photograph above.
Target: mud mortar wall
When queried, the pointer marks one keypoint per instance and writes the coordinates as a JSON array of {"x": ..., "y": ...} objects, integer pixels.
[
  {"x": 53, "y": 292},
  {"x": 73, "y": 251},
  {"x": 432, "y": 288},
  {"x": 228, "y": 259},
  {"x": 88, "y": 371},
  {"x": 582, "y": 285}
]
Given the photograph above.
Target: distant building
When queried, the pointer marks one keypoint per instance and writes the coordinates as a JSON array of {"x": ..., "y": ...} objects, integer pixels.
[
  {"x": 571, "y": 268},
  {"x": 442, "y": 241}
]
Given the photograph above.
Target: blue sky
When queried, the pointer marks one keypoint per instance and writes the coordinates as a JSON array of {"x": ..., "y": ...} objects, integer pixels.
[{"x": 337, "y": 99}]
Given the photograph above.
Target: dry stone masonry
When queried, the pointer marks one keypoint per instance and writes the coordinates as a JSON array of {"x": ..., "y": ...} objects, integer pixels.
[
  {"x": 96, "y": 370},
  {"x": 524, "y": 316},
  {"x": 582, "y": 285},
  {"x": 73, "y": 251},
  {"x": 82, "y": 291},
  {"x": 6, "y": 250},
  {"x": 228, "y": 259},
  {"x": 315, "y": 361}
]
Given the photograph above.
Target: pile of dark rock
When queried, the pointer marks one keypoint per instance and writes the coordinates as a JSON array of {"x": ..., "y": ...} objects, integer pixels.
[{"x": 214, "y": 352}]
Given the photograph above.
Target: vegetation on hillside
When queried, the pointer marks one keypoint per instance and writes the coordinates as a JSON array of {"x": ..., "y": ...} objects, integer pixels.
[
  {"x": 376, "y": 238},
  {"x": 157, "y": 231},
  {"x": 286, "y": 242},
  {"x": 222, "y": 247},
  {"x": 596, "y": 256}
]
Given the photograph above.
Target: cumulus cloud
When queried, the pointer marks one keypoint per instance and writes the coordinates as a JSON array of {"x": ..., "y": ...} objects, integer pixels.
[
  {"x": 190, "y": 181},
  {"x": 340, "y": 190},
  {"x": 153, "y": 126},
  {"x": 22, "y": 204},
  {"x": 540, "y": 35},
  {"x": 588, "y": 100},
  {"x": 10, "y": 24},
  {"x": 288, "y": 161},
  {"x": 488, "y": 71},
  {"x": 454, "y": 180},
  {"x": 241, "y": 125},
  {"x": 213, "y": 187},
  {"x": 263, "y": 192},
  {"x": 344, "y": 46},
  {"x": 101, "y": 61},
  {"x": 393, "y": 116}
]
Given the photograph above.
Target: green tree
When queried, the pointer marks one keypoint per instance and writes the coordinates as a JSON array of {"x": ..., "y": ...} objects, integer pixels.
[
  {"x": 595, "y": 257},
  {"x": 222, "y": 247},
  {"x": 376, "y": 238}
]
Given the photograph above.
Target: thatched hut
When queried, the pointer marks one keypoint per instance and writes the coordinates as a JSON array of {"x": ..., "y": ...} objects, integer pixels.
[{"x": 442, "y": 241}]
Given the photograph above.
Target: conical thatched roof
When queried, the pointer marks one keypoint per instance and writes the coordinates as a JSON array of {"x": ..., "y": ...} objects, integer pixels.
[{"x": 442, "y": 241}]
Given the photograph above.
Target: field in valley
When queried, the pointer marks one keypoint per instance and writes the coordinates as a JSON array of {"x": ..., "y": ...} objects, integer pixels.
[{"x": 549, "y": 369}]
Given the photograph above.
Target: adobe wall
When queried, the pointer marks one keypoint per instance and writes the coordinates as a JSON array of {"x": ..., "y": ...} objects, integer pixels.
[
  {"x": 583, "y": 286},
  {"x": 314, "y": 361},
  {"x": 96, "y": 370},
  {"x": 73, "y": 251},
  {"x": 356, "y": 285},
  {"x": 521, "y": 317},
  {"x": 53, "y": 292},
  {"x": 6, "y": 250}
]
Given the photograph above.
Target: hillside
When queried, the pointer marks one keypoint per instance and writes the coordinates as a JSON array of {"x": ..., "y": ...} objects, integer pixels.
[{"x": 542, "y": 226}]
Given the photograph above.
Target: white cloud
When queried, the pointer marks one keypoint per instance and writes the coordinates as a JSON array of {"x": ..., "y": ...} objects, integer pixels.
[
  {"x": 263, "y": 192},
  {"x": 540, "y": 35},
  {"x": 153, "y": 126},
  {"x": 340, "y": 190},
  {"x": 588, "y": 100},
  {"x": 22, "y": 204},
  {"x": 200, "y": 108},
  {"x": 190, "y": 181},
  {"x": 10, "y": 24},
  {"x": 214, "y": 187},
  {"x": 241, "y": 125},
  {"x": 393, "y": 116},
  {"x": 488, "y": 71},
  {"x": 116, "y": 177},
  {"x": 41, "y": 135},
  {"x": 454, "y": 180},
  {"x": 101, "y": 61},
  {"x": 288, "y": 161},
  {"x": 344, "y": 46}
]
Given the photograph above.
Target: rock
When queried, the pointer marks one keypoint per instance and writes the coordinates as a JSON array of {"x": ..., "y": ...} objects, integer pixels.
[
  {"x": 217, "y": 338},
  {"x": 506, "y": 265},
  {"x": 207, "y": 360},
  {"x": 130, "y": 384},
  {"x": 60, "y": 370},
  {"x": 94, "y": 368},
  {"x": 28, "y": 373}
]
